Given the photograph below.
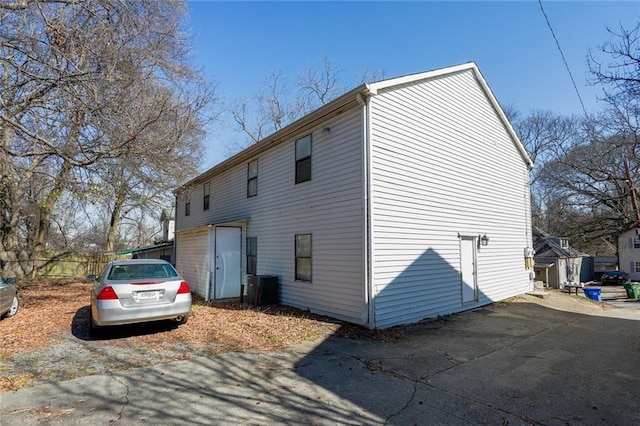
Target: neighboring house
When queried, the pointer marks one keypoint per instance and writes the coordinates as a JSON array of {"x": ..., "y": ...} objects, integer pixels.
[
  {"x": 163, "y": 248},
  {"x": 629, "y": 253},
  {"x": 557, "y": 263},
  {"x": 403, "y": 199}
]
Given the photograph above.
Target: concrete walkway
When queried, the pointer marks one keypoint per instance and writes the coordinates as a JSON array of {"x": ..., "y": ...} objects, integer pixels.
[{"x": 561, "y": 360}]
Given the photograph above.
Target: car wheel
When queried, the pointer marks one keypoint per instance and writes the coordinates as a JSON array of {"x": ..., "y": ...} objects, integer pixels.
[
  {"x": 14, "y": 307},
  {"x": 182, "y": 320}
]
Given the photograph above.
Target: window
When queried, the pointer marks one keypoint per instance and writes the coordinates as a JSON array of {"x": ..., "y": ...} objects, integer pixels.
[
  {"x": 252, "y": 255},
  {"x": 187, "y": 205},
  {"x": 303, "y": 257},
  {"x": 564, "y": 243},
  {"x": 636, "y": 242},
  {"x": 303, "y": 159},
  {"x": 252, "y": 179},
  {"x": 636, "y": 266},
  {"x": 206, "y": 190}
]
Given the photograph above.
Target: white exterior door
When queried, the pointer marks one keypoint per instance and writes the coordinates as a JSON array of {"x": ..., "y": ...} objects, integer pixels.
[
  {"x": 228, "y": 262},
  {"x": 468, "y": 269}
]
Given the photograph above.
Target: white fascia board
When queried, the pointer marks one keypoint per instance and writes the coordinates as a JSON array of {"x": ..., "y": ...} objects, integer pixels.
[{"x": 375, "y": 87}]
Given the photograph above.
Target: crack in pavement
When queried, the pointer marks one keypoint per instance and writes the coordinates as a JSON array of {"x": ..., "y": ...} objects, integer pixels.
[
  {"x": 409, "y": 401},
  {"x": 378, "y": 365},
  {"x": 126, "y": 396}
]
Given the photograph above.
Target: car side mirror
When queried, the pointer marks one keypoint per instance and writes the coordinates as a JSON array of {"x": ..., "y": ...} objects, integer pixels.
[{"x": 91, "y": 278}]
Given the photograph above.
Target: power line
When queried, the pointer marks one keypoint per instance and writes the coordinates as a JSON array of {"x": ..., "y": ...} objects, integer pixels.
[{"x": 563, "y": 59}]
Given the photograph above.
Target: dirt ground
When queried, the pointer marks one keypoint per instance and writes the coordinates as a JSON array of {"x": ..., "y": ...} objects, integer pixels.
[{"x": 48, "y": 340}]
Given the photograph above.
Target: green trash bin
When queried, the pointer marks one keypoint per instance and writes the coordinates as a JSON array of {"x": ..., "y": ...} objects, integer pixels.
[{"x": 632, "y": 289}]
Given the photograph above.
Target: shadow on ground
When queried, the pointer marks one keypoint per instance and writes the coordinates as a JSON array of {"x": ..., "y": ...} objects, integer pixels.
[
  {"x": 80, "y": 327},
  {"x": 506, "y": 363}
]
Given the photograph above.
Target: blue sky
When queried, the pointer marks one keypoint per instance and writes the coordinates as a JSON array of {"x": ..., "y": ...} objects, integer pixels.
[{"x": 238, "y": 44}]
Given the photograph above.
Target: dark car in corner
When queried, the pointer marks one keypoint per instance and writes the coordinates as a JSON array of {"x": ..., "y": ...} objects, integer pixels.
[
  {"x": 614, "y": 277},
  {"x": 9, "y": 303}
]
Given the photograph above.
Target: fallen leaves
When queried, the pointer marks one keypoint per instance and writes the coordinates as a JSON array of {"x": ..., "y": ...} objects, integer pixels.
[
  {"x": 48, "y": 340},
  {"x": 51, "y": 309}
]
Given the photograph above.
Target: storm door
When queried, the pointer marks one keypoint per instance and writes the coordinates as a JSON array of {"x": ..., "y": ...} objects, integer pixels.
[{"x": 228, "y": 262}]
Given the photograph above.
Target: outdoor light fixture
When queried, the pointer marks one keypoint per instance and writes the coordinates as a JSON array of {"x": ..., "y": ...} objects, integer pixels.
[{"x": 484, "y": 240}]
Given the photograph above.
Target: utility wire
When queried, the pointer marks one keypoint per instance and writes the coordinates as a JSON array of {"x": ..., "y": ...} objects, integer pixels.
[{"x": 563, "y": 59}]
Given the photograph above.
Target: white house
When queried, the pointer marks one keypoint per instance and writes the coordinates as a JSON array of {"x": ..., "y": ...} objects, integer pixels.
[
  {"x": 629, "y": 253},
  {"x": 402, "y": 199}
]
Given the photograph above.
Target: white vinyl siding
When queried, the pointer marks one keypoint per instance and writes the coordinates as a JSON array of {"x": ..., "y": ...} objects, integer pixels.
[
  {"x": 628, "y": 254},
  {"x": 192, "y": 259},
  {"x": 330, "y": 206},
  {"x": 443, "y": 166}
]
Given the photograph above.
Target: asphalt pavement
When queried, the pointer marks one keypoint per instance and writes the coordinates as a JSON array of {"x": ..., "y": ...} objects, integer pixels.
[{"x": 558, "y": 360}]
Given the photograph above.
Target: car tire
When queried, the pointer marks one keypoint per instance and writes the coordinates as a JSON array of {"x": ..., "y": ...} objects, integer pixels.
[
  {"x": 15, "y": 305},
  {"x": 182, "y": 320},
  {"x": 94, "y": 330}
]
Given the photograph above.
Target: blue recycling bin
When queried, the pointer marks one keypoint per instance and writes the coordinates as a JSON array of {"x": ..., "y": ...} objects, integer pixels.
[{"x": 593, "y": 293}]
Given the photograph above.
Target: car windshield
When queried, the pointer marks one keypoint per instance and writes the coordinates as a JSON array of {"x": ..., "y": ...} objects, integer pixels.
[{"x": 141, "y": 270}]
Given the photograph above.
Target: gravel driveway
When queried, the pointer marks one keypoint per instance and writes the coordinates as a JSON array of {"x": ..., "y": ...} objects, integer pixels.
[{"x": 48, "y": 340}]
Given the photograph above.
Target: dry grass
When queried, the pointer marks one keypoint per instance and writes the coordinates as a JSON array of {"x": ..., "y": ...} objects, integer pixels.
[{"x": 57, "y": 313}]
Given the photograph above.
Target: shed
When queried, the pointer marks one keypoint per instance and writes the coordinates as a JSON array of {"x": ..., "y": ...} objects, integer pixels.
[
  {"x": 163, "y": 250},
  {"x": 400, "y": 200},
  {"x": 557, "y": 263}
]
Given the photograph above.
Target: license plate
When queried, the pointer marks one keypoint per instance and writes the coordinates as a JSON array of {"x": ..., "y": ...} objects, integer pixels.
[{"x": 147, "y": 295}]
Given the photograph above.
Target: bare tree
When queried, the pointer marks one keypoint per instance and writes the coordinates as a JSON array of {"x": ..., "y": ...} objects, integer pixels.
[
  {"x": 580, "y": 186},
  {"x": 618, "y": 74},
  {"x": 277, "y": 105},
  {"x": 318, "y": 86},
  {"x": 272, "y": 109},
  {"x": 84, "y": 84}
]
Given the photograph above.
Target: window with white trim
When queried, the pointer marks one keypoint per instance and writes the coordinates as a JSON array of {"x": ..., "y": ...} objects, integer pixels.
[
  {"x": 303, "y": 257},
  {"x": 252, "y": 179},
  {"x": 636, "y": 267},
  {"x": 636, "y": 242},
  {"x": 206, "y": 191},
  {"x": 303, "y": 159}
]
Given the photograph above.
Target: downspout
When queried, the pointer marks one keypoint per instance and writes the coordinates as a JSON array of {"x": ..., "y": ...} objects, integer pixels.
[
  {"x": 366, "y": 152},
  {"x": 175, "y": 234},
  {"x": 528, "y": 225}
]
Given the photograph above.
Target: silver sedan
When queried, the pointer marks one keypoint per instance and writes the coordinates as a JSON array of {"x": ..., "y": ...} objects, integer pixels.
[
  {"x": 134, "y": 291},
  {"x": 8, "y": 298}
]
